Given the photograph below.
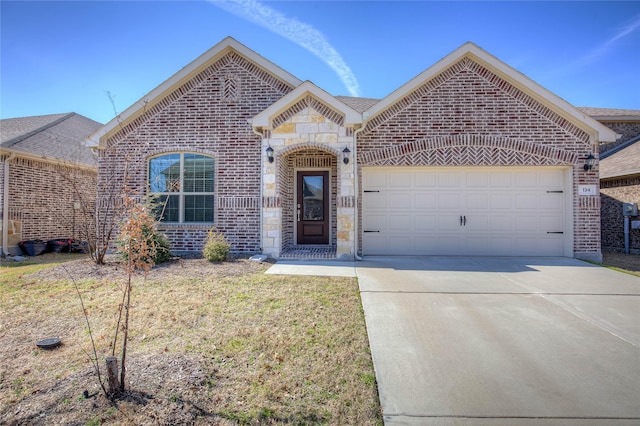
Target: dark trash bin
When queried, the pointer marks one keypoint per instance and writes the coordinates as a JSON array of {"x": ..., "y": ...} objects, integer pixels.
[
  {"x": 59, "y": 245},
  {"x": 77, "y": 246},
  {"x": 33, "y": 247}
]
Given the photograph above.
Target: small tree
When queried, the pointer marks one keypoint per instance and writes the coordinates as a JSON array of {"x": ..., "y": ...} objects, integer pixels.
[{"x": 139, "y": 251}]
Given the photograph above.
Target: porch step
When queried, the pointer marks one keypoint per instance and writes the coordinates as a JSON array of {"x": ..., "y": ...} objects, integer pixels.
[{"x": 309, "y": 252}]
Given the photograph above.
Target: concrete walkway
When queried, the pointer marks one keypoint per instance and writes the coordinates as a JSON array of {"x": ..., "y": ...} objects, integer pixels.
[{"x": 500, "y": 341}]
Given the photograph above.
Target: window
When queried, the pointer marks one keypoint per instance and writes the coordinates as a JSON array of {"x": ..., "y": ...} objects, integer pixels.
[{"x": 183, "y": 183}]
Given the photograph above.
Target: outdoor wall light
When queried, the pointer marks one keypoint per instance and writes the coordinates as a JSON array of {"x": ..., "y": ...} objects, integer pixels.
[
  {"x": 345, "y": 155},
  {"x": 270, "y": 154},
  {"x": 589, "y": 162}
]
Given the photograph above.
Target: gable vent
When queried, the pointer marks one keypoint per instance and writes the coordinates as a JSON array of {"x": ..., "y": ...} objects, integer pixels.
[{"x": 231, "y": 88}]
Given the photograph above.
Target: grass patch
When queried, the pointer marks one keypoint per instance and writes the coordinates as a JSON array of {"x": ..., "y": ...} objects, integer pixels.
[{"x": 250, "y": 348}]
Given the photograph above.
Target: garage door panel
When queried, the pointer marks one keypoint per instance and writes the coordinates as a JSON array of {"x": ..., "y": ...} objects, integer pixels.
[
  {"x": 375, "y": 222},
  {"x": 375, "y": 179},
  {"x": 400, "y": 222},
  {"x": 526, "y": 201},
  {"x": 400, "y": 245},
  {"x": 400, "y": 200},
  {"x": 448, "y": 223},
  {"x": 425, "y": 222},
  {"x": 508, "y": 212},
  {"x": 448, "y": 180},
  {"x": 553, "y": 179},
  {"x": 477, "y": 201},
  {"x": 425, "y": 245},
  {"x": 553, "y": 246},
  {"x": 448, "y": 201},
  {"x": 425, "y": 179},
  {"x": 477, "y": 179},
  {"x": 501, "y": 223},
  {"x": 551, "y": 223},
  {"x": 526, "y": 179},
  {"x": 500, "y": 201},
  {"x": 375, "y": 201},
  {"x": 376, "y": 245},
  {"x": 477, "y": 245},
  {"x": 448, "y": 244},
  {"x": 554, "y": 202},
  {"x": 426, "y": 200},
  {"x": 477, "y": 222},
  {"x": 527, "y": 223},
  {"x": 500, "y": 180},
  {"x": 400, "y": 180}
]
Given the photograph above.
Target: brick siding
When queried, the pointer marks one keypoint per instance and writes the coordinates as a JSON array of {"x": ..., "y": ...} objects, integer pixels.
[
  {"x": 42, "y": 197},
  {"x": 614, "y": 193},
  {"x": 628, "y": 130},
  {"x": 468, "y": 116},
  {"x": 207, "y": 115}
]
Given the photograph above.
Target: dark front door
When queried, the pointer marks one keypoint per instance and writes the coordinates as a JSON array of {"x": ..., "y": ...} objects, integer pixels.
[{"x": 312, "y": 208}]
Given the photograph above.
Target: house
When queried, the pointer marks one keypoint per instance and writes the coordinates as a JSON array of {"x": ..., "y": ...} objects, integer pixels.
[
  {"x": 619, "y": 177},
  {"x": 470, "y": 157},
  {"x": 47, "y": 178}
]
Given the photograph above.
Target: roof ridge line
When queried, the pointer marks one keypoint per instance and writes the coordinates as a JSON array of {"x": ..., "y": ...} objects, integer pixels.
[
  {"x": 620, "y": 147},
  {"x": 27, "y": 135}
]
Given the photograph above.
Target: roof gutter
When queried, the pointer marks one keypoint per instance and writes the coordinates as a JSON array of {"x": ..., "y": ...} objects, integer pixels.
[
  {"x": 260, "y": 207},
  {"x": 5, "y": 205}
]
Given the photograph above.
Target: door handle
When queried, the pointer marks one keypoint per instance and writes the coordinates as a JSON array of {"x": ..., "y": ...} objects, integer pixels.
[
  {"x": 465, "y": 220},
  {"x": 298, "y": 215},
  {"x": 460, "y": 220}
]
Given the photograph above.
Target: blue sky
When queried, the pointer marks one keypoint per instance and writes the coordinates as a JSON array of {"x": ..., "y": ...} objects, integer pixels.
[{"x": 59, "y": 57}]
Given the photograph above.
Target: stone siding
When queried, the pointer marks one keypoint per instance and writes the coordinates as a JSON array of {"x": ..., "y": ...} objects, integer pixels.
[{"x": 308, "y": 136}]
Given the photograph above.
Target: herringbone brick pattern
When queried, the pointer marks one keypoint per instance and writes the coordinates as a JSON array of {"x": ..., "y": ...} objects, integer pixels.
[{"x": 468, "y": 150}]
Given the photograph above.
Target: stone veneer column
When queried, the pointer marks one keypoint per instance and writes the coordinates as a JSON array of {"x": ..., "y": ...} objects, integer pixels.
[
  {"x": 346, "y": 210},
  {"x": 271, "y": 210}
]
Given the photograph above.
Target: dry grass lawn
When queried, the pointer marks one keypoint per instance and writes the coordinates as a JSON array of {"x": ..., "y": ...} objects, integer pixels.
[{"x": 209, "y": 344}]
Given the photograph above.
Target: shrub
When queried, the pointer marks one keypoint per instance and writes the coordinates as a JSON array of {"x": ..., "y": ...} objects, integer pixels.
[
  {"x": 161, "y": 248},
  {"x": 217, "y": 247}
]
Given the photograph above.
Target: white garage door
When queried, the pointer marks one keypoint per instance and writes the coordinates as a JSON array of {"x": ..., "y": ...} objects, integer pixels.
[{"x": 464, "y": 211}]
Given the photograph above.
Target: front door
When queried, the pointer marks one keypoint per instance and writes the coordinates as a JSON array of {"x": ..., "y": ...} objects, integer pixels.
[{"x": 312, "y": 207}]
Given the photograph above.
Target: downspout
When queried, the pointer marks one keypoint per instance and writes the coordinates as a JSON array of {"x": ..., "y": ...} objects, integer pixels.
[
  {"x": 356, "y": 190},
  {"x": 261, "y": 184},
  {"x": 5, "y": 205}
]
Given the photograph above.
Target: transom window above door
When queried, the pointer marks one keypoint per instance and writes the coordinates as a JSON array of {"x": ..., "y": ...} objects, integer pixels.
[{"x": 183, "y": 186}]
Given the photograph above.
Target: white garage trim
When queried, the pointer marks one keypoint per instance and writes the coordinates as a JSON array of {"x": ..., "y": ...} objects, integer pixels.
[{"x": 485, "y": 211}]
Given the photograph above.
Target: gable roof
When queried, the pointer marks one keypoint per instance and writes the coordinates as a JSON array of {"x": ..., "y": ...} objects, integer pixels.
[
  {"x": 359, "y": 104},
  {"x": 264, "y": 119},
  {"x": 505, "y": 72},
  {"x": 611, "y": 114},
  {"x": 623, "y": 160},
  {"x": 205, "y": 60},
  {"x": 57, "y": 137}
]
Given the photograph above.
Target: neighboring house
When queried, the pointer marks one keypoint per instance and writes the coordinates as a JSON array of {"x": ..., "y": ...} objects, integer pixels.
[
  {"x": 47, "y": 177},
  {"x": 470, "y": 157},
  {"x": 619, "y": 176}
]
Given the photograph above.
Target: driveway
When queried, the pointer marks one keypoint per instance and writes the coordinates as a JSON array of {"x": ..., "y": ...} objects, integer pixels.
[{"x": 502, "y": 341}]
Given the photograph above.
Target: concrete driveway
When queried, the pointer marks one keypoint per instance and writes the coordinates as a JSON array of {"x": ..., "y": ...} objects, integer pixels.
[{"x": 502, "y": 341}]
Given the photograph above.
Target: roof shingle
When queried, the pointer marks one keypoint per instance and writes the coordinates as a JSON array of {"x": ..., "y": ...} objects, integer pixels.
[{"x": 56, "y": 136}]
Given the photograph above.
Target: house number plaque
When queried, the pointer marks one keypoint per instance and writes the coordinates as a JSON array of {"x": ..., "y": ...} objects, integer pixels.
[{"x": 587, "y": 190}]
